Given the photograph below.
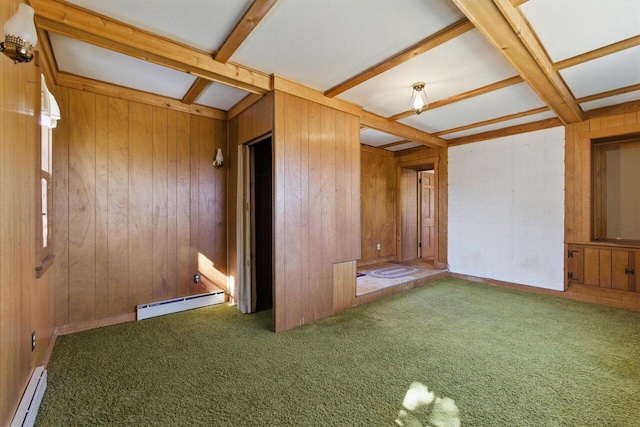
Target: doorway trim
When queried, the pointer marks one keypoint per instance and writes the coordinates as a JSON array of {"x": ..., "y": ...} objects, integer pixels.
[{"x": 426, "y": 163}]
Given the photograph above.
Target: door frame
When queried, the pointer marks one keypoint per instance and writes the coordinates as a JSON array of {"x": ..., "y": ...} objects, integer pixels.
[{"x": 426, "y": 163}]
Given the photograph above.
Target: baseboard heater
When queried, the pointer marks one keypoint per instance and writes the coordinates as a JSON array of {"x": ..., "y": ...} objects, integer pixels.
[
  {"x": 28, "y": 408},
  {"x": 175, "y": 305}
]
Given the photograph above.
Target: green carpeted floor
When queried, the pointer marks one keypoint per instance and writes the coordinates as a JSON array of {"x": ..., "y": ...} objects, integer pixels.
[{"x": 491, "y": 356}]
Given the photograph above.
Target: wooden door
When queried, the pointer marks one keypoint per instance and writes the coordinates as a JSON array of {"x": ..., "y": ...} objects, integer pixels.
[
  {"x": 619, "y": 270},
  {"x": 427, "y": 214},
  {"x": 408, "y": 214}
]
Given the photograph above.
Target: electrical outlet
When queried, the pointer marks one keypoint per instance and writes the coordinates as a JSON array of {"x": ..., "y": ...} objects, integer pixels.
[
  {"x": 33, "y": 340},
  {"x": 196, "y": 278},
  {"x": 378, "y": 246}
]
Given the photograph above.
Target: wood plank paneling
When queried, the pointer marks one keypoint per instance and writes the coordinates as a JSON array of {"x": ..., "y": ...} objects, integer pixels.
[
  {"x": 317, "y": 173},
  {"x": 26, "y": 303},
  {"x": 378, "y": 204},
  {"x": 140, "y": 204},
  {"x": 118, "y": 207},
  {"x": 149, "y": 199},
  {"x": 82, "y": 207},
  {"x": 344, "y": 283},
  {"x": 607, "y": 270}
]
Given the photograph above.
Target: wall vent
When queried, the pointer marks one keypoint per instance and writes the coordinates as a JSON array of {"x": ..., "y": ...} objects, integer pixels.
[
  {"x": 28, "y": 408},
  {"x": 175, "y": 305}
]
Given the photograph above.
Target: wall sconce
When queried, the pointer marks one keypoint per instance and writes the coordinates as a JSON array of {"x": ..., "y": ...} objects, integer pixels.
[
  {"x": 217, "y": 161},
  {"x": 20, "y": 35},
  {"x": 419, "y": 101}
]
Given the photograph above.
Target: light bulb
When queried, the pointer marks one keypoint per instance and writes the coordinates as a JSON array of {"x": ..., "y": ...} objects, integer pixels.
[
  {"x": 418, "y": 103},
  {"x": 219, "y": 157}
]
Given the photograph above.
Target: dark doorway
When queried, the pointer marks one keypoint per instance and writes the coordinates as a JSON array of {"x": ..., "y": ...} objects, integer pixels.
[{"x": 262, "y": 223}]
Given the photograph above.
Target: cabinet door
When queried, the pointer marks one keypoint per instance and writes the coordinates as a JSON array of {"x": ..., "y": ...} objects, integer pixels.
[
  {"x": 619, "y": 267},
  {"x": 592, "y": 266},
  {"x": 634, "y": 280}
]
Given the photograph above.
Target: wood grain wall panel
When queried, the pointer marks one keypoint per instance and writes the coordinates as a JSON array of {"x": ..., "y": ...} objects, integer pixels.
[
  {"x": 156, "y": 198},
  {"x": 118, "y": 208},
  {"x": 172, "y": 206},
  {"x": 344, "y": 280},
  {"x": 315, "y": 211},
  {"x": 140, "y": 204},
  {"x": 378, "y": 204},
  {"x": 82, "y": 206},
  {"x": 317, "y": 161},
  {"x": 61, "y": 210},
  {"x": 26, "y": 303},
  {"x": 231, "y": 213},
  {"x": 160, "y": 289},
  {"x": 184, "y": 219},
  {"x": 255, "y": 121},
  {"x": 102, "y": 208}
]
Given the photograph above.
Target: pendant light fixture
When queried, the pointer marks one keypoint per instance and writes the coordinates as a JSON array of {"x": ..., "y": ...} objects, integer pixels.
[
  {"x": 419, "y": 101},
  {"x": 20, "y": 35}
]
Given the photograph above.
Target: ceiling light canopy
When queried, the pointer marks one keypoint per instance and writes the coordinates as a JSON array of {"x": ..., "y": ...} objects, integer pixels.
[{"x": 419, "y": 101}]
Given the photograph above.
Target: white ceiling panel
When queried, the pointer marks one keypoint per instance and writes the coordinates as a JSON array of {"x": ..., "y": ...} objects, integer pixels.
[
  {"x": 202, "y": 24},
  {"x": 404, "y": 146},
  {"x": 612, "y": 100},
  {"x": 320, "y": 43},
  {"x": 462, "y": 64},
  {"x": 220, "y": 96},
  {"x": 609, "y": 72},
  {"x": 376, "y": 138},
  {"x": 499, "y": 103},
  {"x": 568, "y": 28},
  {"x": 96, "y": 63},
  {"x": 513, "y": 122}
]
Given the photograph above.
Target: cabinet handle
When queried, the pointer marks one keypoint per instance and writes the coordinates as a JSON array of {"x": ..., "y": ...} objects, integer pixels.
[{"x": 629, "y": 271}]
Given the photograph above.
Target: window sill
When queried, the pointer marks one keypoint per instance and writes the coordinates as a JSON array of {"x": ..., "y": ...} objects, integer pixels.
[{"x": 44, "y": 266}]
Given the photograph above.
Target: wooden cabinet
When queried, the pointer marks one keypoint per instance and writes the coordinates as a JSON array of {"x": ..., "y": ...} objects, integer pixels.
[{"x": 610, "y": 267}]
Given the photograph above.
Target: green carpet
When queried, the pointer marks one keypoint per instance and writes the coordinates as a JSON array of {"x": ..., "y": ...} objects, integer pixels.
[{"x": 491, "y": 356}]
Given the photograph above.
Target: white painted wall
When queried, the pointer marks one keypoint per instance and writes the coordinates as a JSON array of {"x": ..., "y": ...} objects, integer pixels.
[{"x": 506, "y": 209}]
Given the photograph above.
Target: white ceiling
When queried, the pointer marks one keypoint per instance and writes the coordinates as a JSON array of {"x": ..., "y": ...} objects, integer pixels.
[{"x": 322, "y": 43}]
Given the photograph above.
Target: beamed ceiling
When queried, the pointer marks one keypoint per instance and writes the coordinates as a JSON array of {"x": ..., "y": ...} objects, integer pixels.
[{"x": 491, "y": 67}]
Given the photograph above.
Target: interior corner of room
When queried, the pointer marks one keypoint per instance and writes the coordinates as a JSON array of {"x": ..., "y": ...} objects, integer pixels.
[{"x": 237, "y": 158}]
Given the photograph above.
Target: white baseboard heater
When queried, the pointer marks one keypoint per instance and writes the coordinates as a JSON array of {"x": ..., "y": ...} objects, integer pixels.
[
  {"x": 28, "y": 408},
  {"x": 175, "y": 305}
]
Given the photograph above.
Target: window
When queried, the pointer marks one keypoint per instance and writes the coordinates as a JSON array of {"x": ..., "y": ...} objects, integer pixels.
[
  {"x": 616, "y": 189},
  {"x": 49, "y": 115}
]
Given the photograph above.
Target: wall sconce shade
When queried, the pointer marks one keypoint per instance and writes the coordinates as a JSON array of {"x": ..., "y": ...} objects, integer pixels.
[
  {"x": 419, "y": 101},
  {"x": 20, "y": 35},
  {"x": 217, "y": 161}
]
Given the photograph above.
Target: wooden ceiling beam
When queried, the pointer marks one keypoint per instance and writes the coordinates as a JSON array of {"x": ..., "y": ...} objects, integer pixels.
[
  {"x": 247, "y": 24},
  {"x": 517, "y": 3},
  {"x": 243, "y": 104},
  {"x": 94, "y": 86},
  {"x": 380, "y": 123},
  {"x": 393, "y": 144},
  {"x": 198, "y": 86},
  {"x": 626, "y": 108},
  {"x": 81, "y": 24},
  {"x": 419, "y": 48},
  {"x": 465, "y": 95},
  {"x": 609, "y": 93},
  {"x": 513, "y": 130},
  {"x": 598, "y": 53},
  {"x": 493, "y": 121},
  {"x": 504, "y": 26}
]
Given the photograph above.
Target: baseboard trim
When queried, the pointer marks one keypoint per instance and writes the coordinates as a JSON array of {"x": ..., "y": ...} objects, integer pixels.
[
  {"x": 92, "y": 324},
  {"x": 568, "y": 294}
]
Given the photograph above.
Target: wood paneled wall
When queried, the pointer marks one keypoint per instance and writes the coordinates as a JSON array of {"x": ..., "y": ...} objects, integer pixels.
[
  {"x": 378, "y": 204},
  {"x": 255, "y": 121},
  {"x": 578, "y": 168},
  {"x": 25, "y": 302},
  {"x": 139, "y": 206},
  {"x": 317, "y": 205}
]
